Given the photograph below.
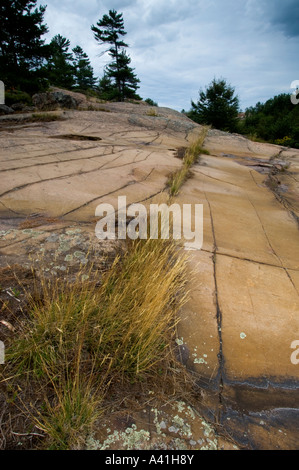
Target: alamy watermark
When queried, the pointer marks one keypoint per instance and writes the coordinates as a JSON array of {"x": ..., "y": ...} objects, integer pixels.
[
  {"x": 2, "y": 92},
  {"x": 295, "y": 94},
  {"x": 161, "y": 221},
  {"x": 295, "y": 354}
]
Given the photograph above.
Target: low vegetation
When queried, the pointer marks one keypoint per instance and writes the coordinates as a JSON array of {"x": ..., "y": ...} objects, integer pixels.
[
  {"x": 152, "y": 112},
  {"x": 84, "y": 335},
  {"x": 274, "y": 121},
  {"x": 45, "y": 117},
  {"x": 151, "y": 102},
  {"x": 191, "y": 156}
]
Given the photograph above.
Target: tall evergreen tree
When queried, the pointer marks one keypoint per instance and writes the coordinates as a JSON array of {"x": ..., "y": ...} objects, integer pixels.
[
  {"x": 110, "y": 30},
  {"x": 124, "y": 76},
  {"x": 60, "y": 69},
  {"x": 217, "y": 106},
  {"x": 83, "y": 71},
  {"x": 22, "y": 49}
]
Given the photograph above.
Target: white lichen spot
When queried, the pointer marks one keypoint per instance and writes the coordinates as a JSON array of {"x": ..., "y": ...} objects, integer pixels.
[
  {"x": 243, "y": 335},
  {"x": 73, "y": 232},
  {"x": 179, "y": 341},
  {"x": 208, "y": 430},
  {"x": 180, "y": 406},
  {"x": 131, "y": 439},
  {"x": 199, "y": 360},
  {"x": 183, "y": 427},
  {"x": 190, "y": 412},
  {"x": 173, "y": 429}
]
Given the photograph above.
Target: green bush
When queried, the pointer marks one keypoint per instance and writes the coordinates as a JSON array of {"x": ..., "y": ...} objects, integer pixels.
[
  {"x": 17, "y": 96},
  {"x": 151, "y": 102}
]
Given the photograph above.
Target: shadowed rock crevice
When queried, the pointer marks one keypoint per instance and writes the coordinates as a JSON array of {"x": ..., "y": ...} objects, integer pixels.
[{"x": 76, "y": 137}]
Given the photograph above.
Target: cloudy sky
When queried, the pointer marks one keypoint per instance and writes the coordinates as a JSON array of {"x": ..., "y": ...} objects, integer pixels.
[{"x": 177, "y": 47}]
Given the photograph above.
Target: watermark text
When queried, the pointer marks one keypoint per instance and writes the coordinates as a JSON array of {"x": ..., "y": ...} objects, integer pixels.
[
  {"x": 161, "y": 221},
  {"x": 295, "y": 354},
  {"x": 295, "y": 94}
]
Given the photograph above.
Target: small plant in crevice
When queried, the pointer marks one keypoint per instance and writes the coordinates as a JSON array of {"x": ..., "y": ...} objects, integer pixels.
[{"x": 191, "y": 156}]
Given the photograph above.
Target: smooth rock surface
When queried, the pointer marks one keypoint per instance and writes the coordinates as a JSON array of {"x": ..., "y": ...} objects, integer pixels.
[
  {"x": 249, "y": 264},
  {"x": 243, "y": 312}
]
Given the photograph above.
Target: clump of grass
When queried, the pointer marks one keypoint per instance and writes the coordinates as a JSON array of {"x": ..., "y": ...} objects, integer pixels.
[
  {"x": 71, "y": 416},
  {"x": 124, "y": 319},
  {"x": 147, "y": 291},
  {"x": 82, "y": 335},
  {"x": 177, "y": 179},
  {"x": 45, "y": 117},
  {"x": 152, "y": 112},
  {"x": 95, "y": 108}
]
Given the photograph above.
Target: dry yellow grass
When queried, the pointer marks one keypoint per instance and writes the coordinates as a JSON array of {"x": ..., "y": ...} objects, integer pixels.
[
  {"x": 177, "y": 179},
  {"x": 80, "y": 336}
]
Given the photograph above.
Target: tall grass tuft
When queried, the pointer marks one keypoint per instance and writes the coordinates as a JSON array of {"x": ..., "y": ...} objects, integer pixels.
[
  {"x": 82, "y": 335},
  {"x": 140, "y": 298},
  {"x": 177, "y": 179},
  {"x": 68, "y": 419}
]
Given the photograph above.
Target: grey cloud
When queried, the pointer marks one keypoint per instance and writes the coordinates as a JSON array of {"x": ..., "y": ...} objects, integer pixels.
[
  {"x": 287, "y": 16},
  {"x": 282, "y": 15},
  {"x": 117, "y": 5}
]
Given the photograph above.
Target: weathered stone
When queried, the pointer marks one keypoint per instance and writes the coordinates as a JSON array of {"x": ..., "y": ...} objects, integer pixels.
[
  {"x": 5, "y": 109},
  {"x": 18, "y": 106},
  {"x": 52, "y": 100}
]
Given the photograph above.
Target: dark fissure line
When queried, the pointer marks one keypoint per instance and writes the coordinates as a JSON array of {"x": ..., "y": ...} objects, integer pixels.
[
  {"x": 81, "y": 149},
  {"x": 218, "y": 317}
]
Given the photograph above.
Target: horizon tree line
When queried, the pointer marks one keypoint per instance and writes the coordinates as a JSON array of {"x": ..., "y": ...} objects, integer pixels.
[{"x": 28, "y": 63}]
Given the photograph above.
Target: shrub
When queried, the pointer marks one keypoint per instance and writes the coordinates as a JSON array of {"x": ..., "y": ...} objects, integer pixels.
[
  {"x": 151, "y": 102},
  {"x": 17, "y": 96}
]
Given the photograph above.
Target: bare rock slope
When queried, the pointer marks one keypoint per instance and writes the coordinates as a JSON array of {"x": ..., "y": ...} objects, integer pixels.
[{"x": 238, "y": 326}]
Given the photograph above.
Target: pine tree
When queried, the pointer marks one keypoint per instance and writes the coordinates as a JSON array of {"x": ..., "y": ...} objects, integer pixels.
[
  {"x": 22, "y": 49},
  {"x": 110, "y": 30},
  {"x": 60, "y": 69},
  {"x": 124, "y": 76},
  {"x": 217, "y": 106},
  {"x": 83, "y": 71}
]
